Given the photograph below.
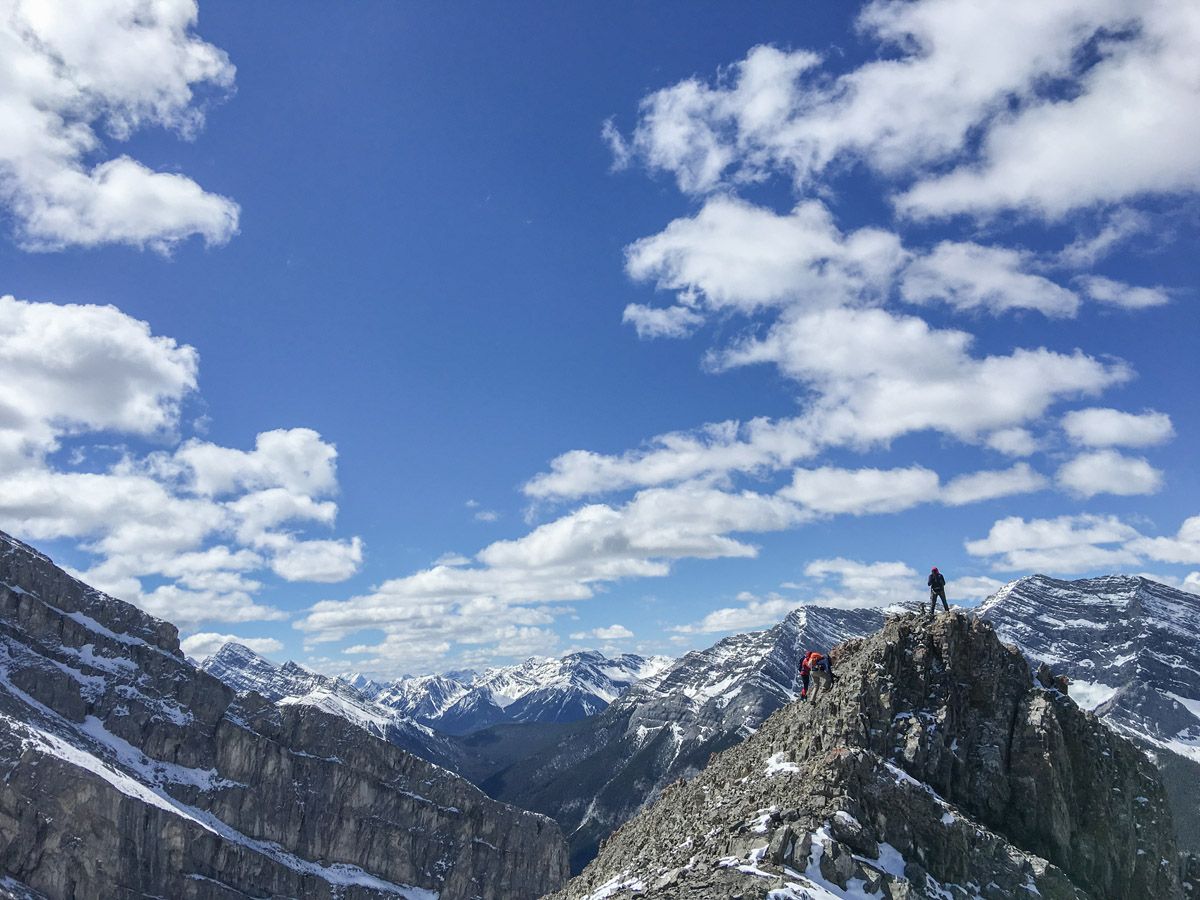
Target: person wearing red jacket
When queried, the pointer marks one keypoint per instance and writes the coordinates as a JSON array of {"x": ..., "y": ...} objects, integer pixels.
[{"x": 819, "y": 663}]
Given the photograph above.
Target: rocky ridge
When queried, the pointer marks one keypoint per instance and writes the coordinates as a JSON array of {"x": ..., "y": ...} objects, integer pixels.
[
  {"x": 127, "y": 772},
  {"x": 599, "y": 772},
  {"x": 934, "y": 767}
]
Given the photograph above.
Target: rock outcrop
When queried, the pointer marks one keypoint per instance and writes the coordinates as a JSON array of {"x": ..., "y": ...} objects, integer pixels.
[
  {"x": 934, "y": 767},
  {"x": 127, "y": 772},
  {"x": 1130, "y": 648}
]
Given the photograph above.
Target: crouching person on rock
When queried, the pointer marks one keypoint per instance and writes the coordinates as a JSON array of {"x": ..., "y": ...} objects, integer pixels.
[{"x": 818, "y": 663}]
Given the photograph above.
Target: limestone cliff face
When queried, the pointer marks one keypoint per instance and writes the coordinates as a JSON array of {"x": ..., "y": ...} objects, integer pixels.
[
  {"x": 933, "y": 768},
  {"x": 127, "y": 772}
]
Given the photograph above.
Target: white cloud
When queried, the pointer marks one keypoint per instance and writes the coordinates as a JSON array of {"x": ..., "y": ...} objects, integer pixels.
[
  {"x": 323, "y": 561},
  {"x": 872, "y": 376},
  {"x": 190, "y": 609},
  {"x": 1063, "y": 153},
  {"x": 487, "y": 515},
  {"x": 657, "y": 322},
  {"x": 970, "y": 276},
  {"x": 296, "y": 459},
  {"x": 1109, "y": 472},
  {"x": 71, "y": 369},
  {"x": 719, "y": 447},
  {"x": 1126, "y": 296},
  {"x": 205, "y": 643},
  {"x": 944, "y": 73},
  {"x": 1183, "y": 548},
  {"x": 877, "y": 376},
  {"x": 1097, "y": 427},
  {"x": 988, "y": 485},
  {"x": 1013, "y": 442},
  {"x": 755, "y": 612},
  {"x": 608, "y": 633},
  {"x": 69, "y": 70},
  {"x": 1066, "y": 544},
  {"x": 733, "y": 254},
  {"x": 866, "y": 584},
  {"x": 569, "y": 558},
  {"x": 862, "y": 491},
  {"x": 973, "y": 587}
]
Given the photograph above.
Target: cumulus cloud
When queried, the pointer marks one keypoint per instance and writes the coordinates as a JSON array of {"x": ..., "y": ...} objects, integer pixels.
[
  {"x": 861, "y": 491},
  {"x": 186, "y": 533},
  {"x": 569, "y": 558},
  {"x": 1097, "y": 427},
  {"x": 1013, "y": 441},
  {"x": 296, "y": 459},
  {"x": 871, "y": 376},
  {"x": 1108, "y": 472},
  {"x": 970, "y": 276},
  {"x": 949, "y": 71},
  {"x": 608, "y": 633},
  {"x": 1057, "y": 154},
  {"x": 73, "y": 368},
  {"x": 1126, "y": 296},
  {"x": 877, "y": 376},
  {"x": 69, "y": 73},
  {"x": 1066, "y": 544},
  {"x": 856, "y": 583},
  {"x": 734, "y": 254},
  {"x": 1183, "y": 548},
  {"x": 716, "y": 448},
  {"x": 323, "y": 561},
  {"x": 204, "y": 644},
  {"x": 754, "y": 612},
  {"x": 871, "y": 491}
]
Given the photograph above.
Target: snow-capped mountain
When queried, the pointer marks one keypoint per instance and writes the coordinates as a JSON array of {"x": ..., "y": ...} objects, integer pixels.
[
  {"x": 565, "y": 689},
  {"x": 292, "y": 685},
  {"x": 601, "y": 770},
  {"x": 127, "y": 771},
  {"x": 1131, "y": 648}
]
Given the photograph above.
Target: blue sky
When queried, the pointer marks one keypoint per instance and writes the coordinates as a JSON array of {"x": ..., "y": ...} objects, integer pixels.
[{"x": 416, "y": 336}]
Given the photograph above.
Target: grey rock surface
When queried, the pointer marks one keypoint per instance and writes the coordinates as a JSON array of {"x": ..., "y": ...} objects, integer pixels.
[
  {"x": 934, "y": 767},
  {"x": 1130, "y": 648},
  {"x": 127, "y": 772}
]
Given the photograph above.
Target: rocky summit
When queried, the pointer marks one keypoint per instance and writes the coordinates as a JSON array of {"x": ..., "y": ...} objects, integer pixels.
[
  {"x": 934, "y": 767},
  {"x": 127, "y": 772}
]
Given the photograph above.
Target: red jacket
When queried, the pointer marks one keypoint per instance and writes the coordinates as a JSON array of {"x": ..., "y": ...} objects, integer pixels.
[{"x": 814, "y": 660}]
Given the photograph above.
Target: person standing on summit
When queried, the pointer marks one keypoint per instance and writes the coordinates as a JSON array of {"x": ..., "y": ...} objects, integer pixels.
[{"x": 937, "y": 588}]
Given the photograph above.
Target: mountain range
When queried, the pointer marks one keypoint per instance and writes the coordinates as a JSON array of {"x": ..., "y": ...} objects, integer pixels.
[{"x": 600, "y": 771}]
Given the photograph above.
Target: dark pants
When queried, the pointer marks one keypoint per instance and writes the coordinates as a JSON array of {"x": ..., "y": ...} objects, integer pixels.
[{"x": 934, "y": 593}]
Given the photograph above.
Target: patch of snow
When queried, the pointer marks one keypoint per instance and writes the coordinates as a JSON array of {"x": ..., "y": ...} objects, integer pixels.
[
  {"x": 777, "y": 765},
  {"x": 621, "y": 882},
  {"x": 1090, "y": 694}
]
